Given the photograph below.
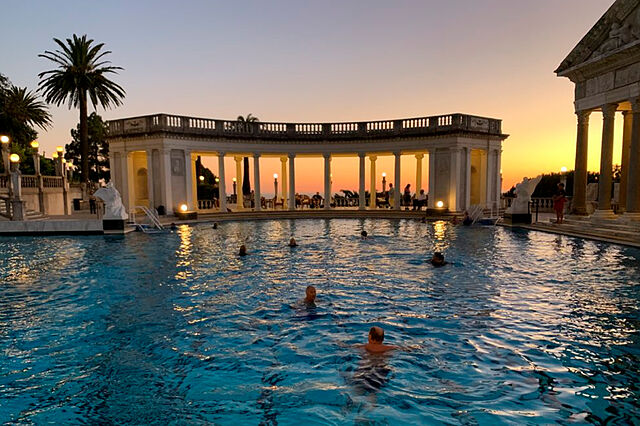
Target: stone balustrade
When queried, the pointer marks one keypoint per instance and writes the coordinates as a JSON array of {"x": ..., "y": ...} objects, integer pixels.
[{"x": 192, "y": 126}]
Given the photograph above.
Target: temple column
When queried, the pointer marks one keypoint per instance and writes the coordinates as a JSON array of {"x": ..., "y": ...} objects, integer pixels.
[
  {"x": 431, "y": 201},
  {"x": 624, "y": 162},
  {"x": 283, "y": 181},
  {"x": 606, "y": 163},
  {"x": 580, "y": 171},
  {"x": 396, "y": 180},
  {"x": 361, "y": 179},
  {"x": 150, "y": 178},
  {"x": 167, "y": 195},
  {"x": 222, "y": 189},
  {"x": 239, "y": 195},
  {"x": 292, "y": 182},
  {"x": 256, "y": 182},
  {"x": 130, "y": 180},
  {"x": 372, "y": 189},
  {"x": 419, "y": 158},
  {"x": 327, "y": 181},
  {"x": 633, "y": 178},
  {"x": 498, "y": 177},
  {"x": 190, "y": 171},
  {"x": 454, "y": 180}
]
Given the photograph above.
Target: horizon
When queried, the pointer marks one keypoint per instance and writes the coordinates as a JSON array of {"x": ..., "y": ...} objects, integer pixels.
[{"x": 374, "y": 61}]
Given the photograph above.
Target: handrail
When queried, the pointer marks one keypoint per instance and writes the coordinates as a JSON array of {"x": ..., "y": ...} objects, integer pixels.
[
  {"x": 167, "y": 123},
  {"x": 149, "y": 213}
]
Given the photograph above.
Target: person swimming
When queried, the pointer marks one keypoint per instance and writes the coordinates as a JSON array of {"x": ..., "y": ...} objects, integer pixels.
[
  {"x": 375, "y": 345},
  {"x": 292, "y": 242},
  {"x": 438, "y": 260},
  {"x": 310, "y": 296},
  {"x": 215, "y": 225},
  {"x": 364, "y": 235},
  {"x": 242, "y": 251}
]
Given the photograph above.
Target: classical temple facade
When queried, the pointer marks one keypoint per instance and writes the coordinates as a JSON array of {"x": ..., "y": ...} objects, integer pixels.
[
  {"x": 605, "y": 67},
  {"x": 153, "y": 158}
]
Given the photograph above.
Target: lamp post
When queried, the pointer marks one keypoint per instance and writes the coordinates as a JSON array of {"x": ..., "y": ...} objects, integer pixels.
[
  {"x": 60, "y": 151},
  {"x": 275, "y": 186},
  {"x": 17, "y": 205},
  {"x": 235, "y": 182},
  {"x": 4, "y": 141},
  {"x": 384, "y": 182},
  {"x": 36, "y": 157},
  {"x": 201, "y": 179}
]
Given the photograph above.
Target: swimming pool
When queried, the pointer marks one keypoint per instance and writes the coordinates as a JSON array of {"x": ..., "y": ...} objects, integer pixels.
[{"x": 521, "y": 327}]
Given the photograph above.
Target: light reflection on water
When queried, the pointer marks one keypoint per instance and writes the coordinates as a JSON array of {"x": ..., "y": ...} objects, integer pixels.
[{"x": 520, "y": 327}]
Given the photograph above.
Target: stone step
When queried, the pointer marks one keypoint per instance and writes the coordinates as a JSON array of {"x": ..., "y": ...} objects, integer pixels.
[
  {"x": 586, "y": 229},
  {"x": 609, "y": 224}
]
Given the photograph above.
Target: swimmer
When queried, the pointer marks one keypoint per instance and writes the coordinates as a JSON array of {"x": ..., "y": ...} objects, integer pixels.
[
  {"x": 375, "y": 345},
  {"x": 438, "y": 260},
  {"x": 243, "y": 250},
  {"x": 292, "y": 242},
  {"x": 310, "y": 295},
  {"x": 423, "y": 220},
  {"x": 364, "y": 235},
  {"x": 173, "y": 226},
  {"x": 215, "y": 225}
]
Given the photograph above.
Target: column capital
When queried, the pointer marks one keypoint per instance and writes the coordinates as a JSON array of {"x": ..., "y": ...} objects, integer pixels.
[
  {"x": 283, "y": 160},
  {"x": 609, "y": 110},
  {"x": 291, "y": 155},
  {"x": 362, "y": 154},
  {"x": 419, "y": 156},
  {"x": 256, "y": 155},
  {"x": 237, "y": 158},
  {"x": 373, "y": 157},
  {"x": 583, "y": 116},
  {"x": 326, "y": 155},
  {"x": 221, "y": 153},
  {"x": 397, "y": 153}
]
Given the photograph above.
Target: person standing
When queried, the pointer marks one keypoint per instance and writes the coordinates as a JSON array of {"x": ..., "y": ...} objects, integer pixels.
[
  {"x": 407, "y": 196},
  {"x": 559, "y": 198}
]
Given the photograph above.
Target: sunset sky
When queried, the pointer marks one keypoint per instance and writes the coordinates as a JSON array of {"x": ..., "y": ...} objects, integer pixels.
[{"x": 329, "y": 61}]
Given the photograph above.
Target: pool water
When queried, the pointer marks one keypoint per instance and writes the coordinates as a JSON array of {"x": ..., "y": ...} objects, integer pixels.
[{"x": 520, "y": 327}]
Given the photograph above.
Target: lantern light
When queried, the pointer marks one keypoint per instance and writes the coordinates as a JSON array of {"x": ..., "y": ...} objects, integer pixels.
[
  {"x": 54, "y": 155},
  {"x": 183, "y": 207},
  {"x": 275, "y": 176},
  {"x": 234, "y": 179},
  {"x": 14, "y": 158},
  {"x": 439, "y": 204},
  {"x": 4, "y": 139},
  {"x": 201, "y": 178},
  {"x": 35, "y": 144},
  {"x": 59, "y": 149}
]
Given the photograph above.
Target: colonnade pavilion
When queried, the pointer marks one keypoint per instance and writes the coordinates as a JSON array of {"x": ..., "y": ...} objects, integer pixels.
[
  {"x": 153, "y": 158},
  {"x": 605, "y": 67}
]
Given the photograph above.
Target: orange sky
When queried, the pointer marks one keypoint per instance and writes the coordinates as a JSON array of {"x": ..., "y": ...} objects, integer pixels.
[{"x": 328, "y": 61}]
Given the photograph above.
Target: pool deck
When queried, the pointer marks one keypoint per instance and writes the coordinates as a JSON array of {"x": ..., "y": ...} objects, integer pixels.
[{"x": 609, "y": 231}]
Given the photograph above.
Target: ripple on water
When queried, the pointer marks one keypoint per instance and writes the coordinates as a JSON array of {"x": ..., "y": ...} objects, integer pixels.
[{"x": 521, "y": 327}]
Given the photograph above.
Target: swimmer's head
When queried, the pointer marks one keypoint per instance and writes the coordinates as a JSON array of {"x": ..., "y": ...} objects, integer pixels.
[
  {"x": 215, "y": 225},
  {"x": 243, "y": 250},
  {"x": 292, "y": 242},
  {"x": 364, "y": 234},
  {"x": 376, "y": 335},
  {"x": 310, "y": 293}
]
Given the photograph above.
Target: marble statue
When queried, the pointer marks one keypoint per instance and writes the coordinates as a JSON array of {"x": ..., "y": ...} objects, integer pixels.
[
  {"x": 523, "y": 192},
  {"x": 113, "y": 207}
]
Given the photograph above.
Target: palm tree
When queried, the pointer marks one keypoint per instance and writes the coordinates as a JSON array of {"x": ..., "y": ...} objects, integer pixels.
[
  {"x": 81, "y": 74},
  {"x": 246, "y": 184},
  {"x": 22, "y": 107}
]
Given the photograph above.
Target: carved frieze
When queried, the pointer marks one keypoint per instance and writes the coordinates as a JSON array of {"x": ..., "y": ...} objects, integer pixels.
[
  {"x": 477, "y": 123},
  {"x": 135, "y": 125}
]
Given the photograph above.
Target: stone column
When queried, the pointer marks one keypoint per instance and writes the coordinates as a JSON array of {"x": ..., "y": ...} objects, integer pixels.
[
  {"x": 454, "y": 180},
  {"x": 372, "y": 189},
  {"x": 624, "y": 163},
  {"x": 498, "y": 153},
  {"x": 292, "y": 182},
  {"x": 239, "y": 196},
  {"x": 222, "y": 189},
  {"x": 150, "y": 178},
  {"x": 633, "y": 178},
  {"x": 606, "y": 163},
  {"x": 190, "y": 181},
  {"x": 419, "y": 158},
  {"x": 361, "y": 178},
  {"x": 431, "y": 201},
  {"x": 467, "y": 178},
  {"x": 256, "y": 182},
  {"x": 167, "y": 195},
  {"x": 283, "y": 182},
  {"x": 397, "y": 182},
  {"x": 129, "y": 181},
  {"x": 580, "y": 173},
  {"x": 327, "y": 181}
]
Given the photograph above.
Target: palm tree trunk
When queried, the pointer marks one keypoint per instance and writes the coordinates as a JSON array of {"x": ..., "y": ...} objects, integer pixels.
[{"x": 84, "y": 138}]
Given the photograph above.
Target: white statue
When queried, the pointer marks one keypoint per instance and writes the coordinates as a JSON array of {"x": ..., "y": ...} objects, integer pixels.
[
  {"x": 523, "y": 192},
  {"x": 113, "y": 208}
]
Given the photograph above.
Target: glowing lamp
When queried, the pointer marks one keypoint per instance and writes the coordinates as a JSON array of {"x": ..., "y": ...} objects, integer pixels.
[
  {"x": 59, "y": 149},
  {"x": 234, "y": 179},
  {"x": 201, "y": 178},
  {"x": 54, "y": 155},
  {"x": 64, "y": 161},
  {"x": 14, "y": 158},
  {"x": 183, "y": 207},
  {"x": 4, "y": 139},
  {"x": 439, "y": 204},
  {"x": 384, "y": 174},
  {"x": 217, "y": 180},
  {"x": 275, "y": 176},
  {"x": 35, "y": 144}
]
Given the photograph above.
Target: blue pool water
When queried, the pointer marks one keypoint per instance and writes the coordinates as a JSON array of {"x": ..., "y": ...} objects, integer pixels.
[{"x": 521, "y": 327}]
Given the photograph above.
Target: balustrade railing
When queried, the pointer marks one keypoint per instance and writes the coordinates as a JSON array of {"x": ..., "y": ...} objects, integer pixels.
[
  {"x": 52, "y": 181},
  {"x": 383, "y": 128},
  {"x": 29, "y": 181}
]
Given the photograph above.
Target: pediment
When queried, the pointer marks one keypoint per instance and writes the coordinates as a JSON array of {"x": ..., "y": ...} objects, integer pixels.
[{"x": 617, "y": 28}]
